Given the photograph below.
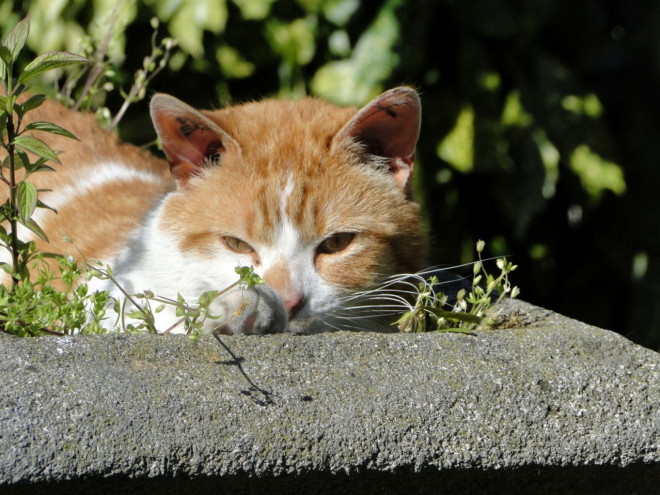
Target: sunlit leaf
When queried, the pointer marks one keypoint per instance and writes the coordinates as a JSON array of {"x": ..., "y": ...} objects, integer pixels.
[
  {"x": 36, "y": 146},
  {"x": 513, "y": 113},
  {"x": 50, "y": 127},
  {"x": 339, "y": 12},
  {"x": 188, "y": 19},
  {"x": 21, "y": 160},
  {"x": 34, "y": 227},
  {"x": 33, "y": 102},
  {"x": 232, "y": 63},
  {"x": 5, "y": 57},
  {"x": 457, "y": 148},
  {"x": 49, "y": 61},
  {"x": 43, "y": 168},
  {"x": 27, "y": 199},
  {"x": 135, "y": 314},
  {"x": 16, "y": 38},
  {"x": 254, "y": 9},
  {"x": 41, "y": 204},
  {"x": 596, "y": 173},
  {"x": 294, "y": 41}
]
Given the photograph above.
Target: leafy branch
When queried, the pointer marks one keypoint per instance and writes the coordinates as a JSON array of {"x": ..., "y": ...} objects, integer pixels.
[
  {"x": 18, "y": 142},
  {"x": 432, "y": 313}
]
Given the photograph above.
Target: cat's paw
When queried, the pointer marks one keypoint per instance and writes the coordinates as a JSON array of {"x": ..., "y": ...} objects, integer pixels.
[{"x": 255, "y": 311}]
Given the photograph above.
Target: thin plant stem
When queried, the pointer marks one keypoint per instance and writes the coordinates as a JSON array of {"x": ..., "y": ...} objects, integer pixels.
[{"x": 11, "y": 134}]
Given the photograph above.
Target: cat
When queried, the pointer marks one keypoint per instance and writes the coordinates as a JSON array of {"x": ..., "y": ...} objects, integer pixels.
[{"x": 316, "y": 197}]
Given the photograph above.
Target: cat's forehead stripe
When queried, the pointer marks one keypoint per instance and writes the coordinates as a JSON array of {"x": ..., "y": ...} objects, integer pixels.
[{"x": 286, "y": 192}]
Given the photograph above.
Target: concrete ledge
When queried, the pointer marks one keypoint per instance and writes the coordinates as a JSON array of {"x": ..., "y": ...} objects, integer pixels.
[{"x": 555, "y": 406}]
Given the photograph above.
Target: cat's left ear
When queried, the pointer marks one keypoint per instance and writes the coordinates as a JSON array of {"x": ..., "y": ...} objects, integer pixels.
[
  {"x": 189, "y": 138},
  {"x": 388, "y": 127}
]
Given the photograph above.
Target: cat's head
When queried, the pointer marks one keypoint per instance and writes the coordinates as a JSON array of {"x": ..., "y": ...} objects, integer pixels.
[{"x": 316, "y": 197}]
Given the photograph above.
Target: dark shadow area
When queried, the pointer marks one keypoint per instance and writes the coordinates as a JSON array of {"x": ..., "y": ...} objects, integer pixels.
[{"x": 638, "y": 479}]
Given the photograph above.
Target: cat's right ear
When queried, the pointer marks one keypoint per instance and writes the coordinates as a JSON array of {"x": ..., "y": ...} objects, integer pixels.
[{"x": 190, "y": 140}]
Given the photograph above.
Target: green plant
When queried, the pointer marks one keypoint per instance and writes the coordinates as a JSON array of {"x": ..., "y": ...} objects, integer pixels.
[
  {"x": 141, "y": 310},
  {"x": 31, "y": 305},
  {"x": 432, "y": 313},
  {"x": 18, "y": 142}
]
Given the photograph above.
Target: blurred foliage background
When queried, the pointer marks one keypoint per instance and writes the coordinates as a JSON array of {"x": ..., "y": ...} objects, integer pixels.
[{"x": 540, "y": 127}]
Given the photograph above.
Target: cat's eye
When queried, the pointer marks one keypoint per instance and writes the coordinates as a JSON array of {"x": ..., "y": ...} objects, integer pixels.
[
  {"x": 336, "y": 243},
  {"x": 237, "y": 245}
]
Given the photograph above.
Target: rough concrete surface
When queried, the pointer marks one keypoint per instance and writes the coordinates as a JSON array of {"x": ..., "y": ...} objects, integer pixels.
[{"x": 553, "y": 406}]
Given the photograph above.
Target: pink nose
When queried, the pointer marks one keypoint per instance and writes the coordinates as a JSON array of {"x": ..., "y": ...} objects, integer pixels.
[{"x": 293, "y": 303}]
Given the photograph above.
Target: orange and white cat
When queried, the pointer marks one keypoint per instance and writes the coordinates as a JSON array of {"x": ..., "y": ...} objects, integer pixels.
[{"x": 314, "y": 196}]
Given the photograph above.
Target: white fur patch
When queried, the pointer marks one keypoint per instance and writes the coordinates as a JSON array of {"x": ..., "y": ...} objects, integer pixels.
[{"x": 102, "y": 173}]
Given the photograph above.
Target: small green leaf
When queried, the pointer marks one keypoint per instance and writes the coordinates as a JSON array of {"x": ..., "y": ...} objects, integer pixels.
[
  {"x": 34, "y": 227},
  {"x": 204, "y": 300},
  {"x": 42, "y": 168},
  {"x": 50, "y": 127},
  {"x": 7, "y": 268},
  {"x": 135, "y": 314},
  {"x": 5, "y": 57},
  {"x": 16, "y": 38},
  {"x": 41, "y": 204},
  {"x": 33, "y": 102},
  {"x": 22, "y": 160},
  {"x": 49, "y": 61},
  {"x": 36, "y": 146},
  {"x": 27, "y": 200}
]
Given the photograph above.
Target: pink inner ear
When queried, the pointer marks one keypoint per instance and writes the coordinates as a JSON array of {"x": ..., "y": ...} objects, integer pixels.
[
  {"x": 192, "y": 146},
  {"x": 188, "y": 137},
  {"x": 389, "y": 127}
]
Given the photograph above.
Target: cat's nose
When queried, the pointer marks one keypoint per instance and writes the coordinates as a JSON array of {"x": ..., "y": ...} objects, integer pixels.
[{"x": 293, "y": 303}]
